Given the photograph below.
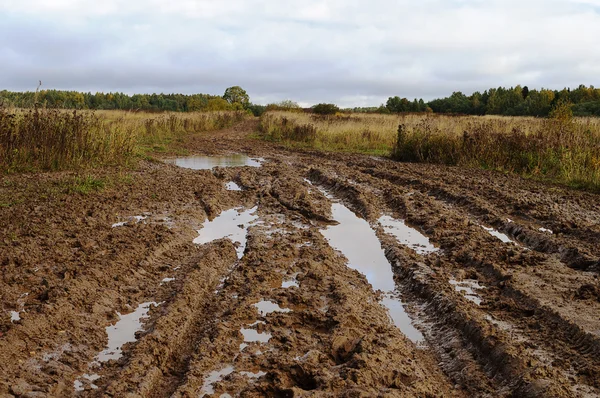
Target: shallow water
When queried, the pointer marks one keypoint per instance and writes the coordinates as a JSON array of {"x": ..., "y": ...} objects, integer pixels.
[
  {"x": 469, "y": 287},
  {"x": 292, "y": 282},
  {"x": 503, "y": 237},
  {"x": 407, "y": 236},
  {"x": 15, "y": 316},
  {"x": 266, "y": 307},
  {"x": 369, "y": 259},
  {"x": 252, "y": 375},
  {"x": 209, "y": 162},
  {"x": 123, "y": 332},
  {"x": 214, "y": 377},
  {"x": 232, "y": 186},
  {"x": 232, "y": 224},
  {"x": 253, "y": 336},
  {"x": 400, "y": 318},
  {"x": 130, "y": 220}
]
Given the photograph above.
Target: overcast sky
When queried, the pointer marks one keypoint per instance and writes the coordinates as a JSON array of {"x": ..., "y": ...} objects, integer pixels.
[{"x": 353, "y": 53}]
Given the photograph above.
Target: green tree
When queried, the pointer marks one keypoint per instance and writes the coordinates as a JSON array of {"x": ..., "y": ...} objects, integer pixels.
[{"x": 236, "y": 94}]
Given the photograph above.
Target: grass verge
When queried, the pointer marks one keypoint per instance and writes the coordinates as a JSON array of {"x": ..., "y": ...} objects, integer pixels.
[
  {"x": 50, "y": 139},
  {"x": 562, "y": 150}
]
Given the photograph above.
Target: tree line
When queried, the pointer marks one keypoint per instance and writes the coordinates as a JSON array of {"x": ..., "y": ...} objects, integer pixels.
[{"x": 514, "y": 101}]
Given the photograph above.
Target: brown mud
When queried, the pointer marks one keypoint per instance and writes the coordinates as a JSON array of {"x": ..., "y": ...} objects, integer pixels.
[{"x": 67, "y": 274}]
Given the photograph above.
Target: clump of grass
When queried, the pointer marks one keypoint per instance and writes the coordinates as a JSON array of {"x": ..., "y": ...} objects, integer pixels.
[
  {"x": 86, "y": 185},
  {"x": 51, "y": 139},
  {"x": 561, "y": 149}
]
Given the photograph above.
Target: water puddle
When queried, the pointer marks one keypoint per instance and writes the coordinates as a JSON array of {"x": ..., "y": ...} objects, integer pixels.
[
  {"x": 232, "y": 186},
  {"x": 407, "y": 236},
  {"x": 209, "y": 162},
  {"x": 400, "y": 318},
  {"x": 124, "y": 332},
  {"x": 293, "y": 282},
  {"x": 503, "y": 237},
  {"x": 232, "y": 224},
  {"x": 252, "y": 375},
  {"x": 266, "y": 307},
  {"x": 15, "y": 316},
  {"x": 468, "y": 287},
  {"x": 78, "y": 384},
  {"x": 254, "y": 336},
  {"x": 368, "y": 258},
  {"x": 130, "y": 220},
  {"x": 212, "y": 378}
]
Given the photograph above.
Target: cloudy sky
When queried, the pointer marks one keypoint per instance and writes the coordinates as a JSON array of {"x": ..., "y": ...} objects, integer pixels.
[{"x": 350, "y": 52}]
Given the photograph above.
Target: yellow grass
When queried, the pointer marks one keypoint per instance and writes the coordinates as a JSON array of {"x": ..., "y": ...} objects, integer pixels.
[
  {"x": 47, "y": 139},
  {"x": 565, "y": 151}
]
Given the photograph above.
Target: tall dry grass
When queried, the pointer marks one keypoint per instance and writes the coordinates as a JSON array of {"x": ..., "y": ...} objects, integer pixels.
[
  {"x": 561, "y": 150},
  {"x": 50, "y": 139}
]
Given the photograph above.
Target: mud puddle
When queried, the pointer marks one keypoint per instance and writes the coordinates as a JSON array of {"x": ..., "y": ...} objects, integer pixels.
[
  {"x": 266, "y": 307},
  {"x": 129, "y": 221},
  {"x": 124, "y": 332},
  {"x": 503, "y": 237},
  {"x": 407, "y": 236},
  {"x": 369, "y": 259},
  {"x": 232, "y": 186},
  {"x": 214, "y": 377},
  {"x": 469, "y": 288},
  {"x": 232, "y": 224},
  {"x": 209, "y": 162}
]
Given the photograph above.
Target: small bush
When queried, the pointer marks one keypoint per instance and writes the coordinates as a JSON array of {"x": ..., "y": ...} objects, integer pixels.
[{"x": 325, "y": 109}]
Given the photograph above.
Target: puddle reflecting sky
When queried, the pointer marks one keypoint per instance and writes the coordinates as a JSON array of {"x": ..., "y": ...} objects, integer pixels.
[
  {"x": 209, "y": 162},
  {"x": 407, "y": 236},
  {"x": 123, "y": 332},
  {"x": 232, "y": 224},
  {"x": 355, "y": 238}
]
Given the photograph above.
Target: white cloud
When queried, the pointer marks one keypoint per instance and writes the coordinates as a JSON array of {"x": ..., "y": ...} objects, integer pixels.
[{"x": 349, "y": 52}]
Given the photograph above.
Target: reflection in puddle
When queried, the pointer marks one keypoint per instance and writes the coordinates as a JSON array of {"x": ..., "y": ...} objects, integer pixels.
[
  {"x": 407, "y": 236},
  {"x": 79, "y": 384},
  {"x": 266, "y": 307},
  {"x": 15, "y": 316},
  {"x": 293, "y": 282},
  {"x": 468, "y": 286},
  {"x": 252, "y": 375},
  {"x": 504, "y": 238},
  {"x": 212, "y": 378},
  {"x": 366, "y": 257},
  {"x": 208, "y": 162},
  {"x": 232, "y": 186},
  {"x": 369, "y": 259},
  {"x": 400, "y": 318},
  {"x": 130, "y": 220},
  {"x": 123, "y": 332},
  {"x": 232, "y": 224},
  {"x": 253, "y": 336}
]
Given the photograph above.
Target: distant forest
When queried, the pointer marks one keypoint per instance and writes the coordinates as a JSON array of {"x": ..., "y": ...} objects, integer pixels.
[{"x": 514, "y": 101}]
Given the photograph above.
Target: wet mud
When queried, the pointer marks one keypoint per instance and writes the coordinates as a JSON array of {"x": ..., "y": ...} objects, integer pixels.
[{"x": 296, "y": 273}]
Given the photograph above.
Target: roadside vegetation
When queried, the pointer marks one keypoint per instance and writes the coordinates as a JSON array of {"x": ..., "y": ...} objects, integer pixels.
[
  {"x": 561, "y": 148},
  {"x": 44, "y": 139}
]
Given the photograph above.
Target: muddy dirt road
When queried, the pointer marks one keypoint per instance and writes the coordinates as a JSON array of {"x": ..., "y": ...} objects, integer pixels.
[{"x": 298, "y": 274}]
